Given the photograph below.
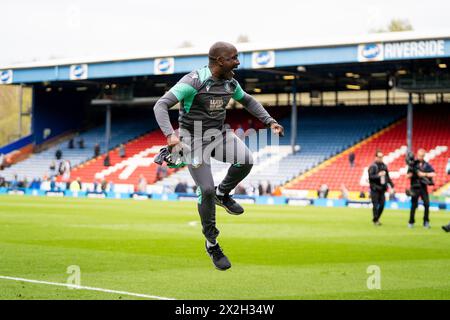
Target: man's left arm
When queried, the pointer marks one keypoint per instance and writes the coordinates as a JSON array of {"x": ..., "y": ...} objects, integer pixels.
[
  {"x": 257, "y": 110},
  {"x": 389, "y": 180},
  {"x": 430, "y": 172}
]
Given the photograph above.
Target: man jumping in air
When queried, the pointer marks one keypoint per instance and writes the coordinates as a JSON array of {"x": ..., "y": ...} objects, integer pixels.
[{"x": 203, "y": 95}]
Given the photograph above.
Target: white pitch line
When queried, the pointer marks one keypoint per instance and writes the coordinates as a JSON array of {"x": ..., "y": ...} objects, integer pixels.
[{"x": 74, "y": 286}]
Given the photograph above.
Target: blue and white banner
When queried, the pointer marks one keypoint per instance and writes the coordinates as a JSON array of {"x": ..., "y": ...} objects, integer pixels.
[
  {"x": 402, "y": 50},
  {"x": 6, "y": 76},
  {"x": 370, "y": 52},
  {"x": 164, "y": 66},
  {"x": 78, "y": 72},
  {"x": 263, "y": 59}
]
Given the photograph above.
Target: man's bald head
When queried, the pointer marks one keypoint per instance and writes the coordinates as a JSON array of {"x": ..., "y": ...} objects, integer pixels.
[
  {"x": 219, "y": 49},
  {"x": 223, "y": 59},
  {"x": 421, "y": 154}
]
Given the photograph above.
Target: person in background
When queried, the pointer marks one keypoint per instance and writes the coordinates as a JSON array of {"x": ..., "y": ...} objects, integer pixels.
[
  {"x": 81, "y": 143},
  {"x": 344, "y": 192},
  {"x": 261, "y": 190},
  {"x": 96, "y": 150},
  {"x": 351, "y": 159},
  {"x": 269, "y": 188},
  {"x": 71, "y": 144},
  {"x": 58, "y": 154},
  {"x": 2, "y": 159},
  {"x": 122, "y": 151},
  {"x": 322, "y": 193},
  {"x": 75, "y": 186},
  {"x": 419, "y": 188},
  {"x": 379, "y": 180},
  {"x": 181, "y": 187},
  {"x": 142, "y": 184}
]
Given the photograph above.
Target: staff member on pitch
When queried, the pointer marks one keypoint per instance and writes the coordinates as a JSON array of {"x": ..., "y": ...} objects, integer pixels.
[
  {"x": 203, "y": 95},
  {"x": 419, "y": 189},
  {"x": 379, "y": 180}
]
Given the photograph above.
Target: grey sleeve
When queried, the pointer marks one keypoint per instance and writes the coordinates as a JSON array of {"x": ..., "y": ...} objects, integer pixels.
[
  {"x": 161, "y": 110},
  {"x": 256, "y": 109}
]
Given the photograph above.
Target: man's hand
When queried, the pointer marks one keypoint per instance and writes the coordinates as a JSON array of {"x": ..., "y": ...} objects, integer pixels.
[
  {"x": 422, "y": 174},
  {"x": 172, "y": 140},
  {"x": 277, "y": 129}
]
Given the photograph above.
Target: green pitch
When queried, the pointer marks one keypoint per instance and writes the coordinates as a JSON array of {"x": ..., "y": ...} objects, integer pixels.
[{"x": 156, "y": 248}]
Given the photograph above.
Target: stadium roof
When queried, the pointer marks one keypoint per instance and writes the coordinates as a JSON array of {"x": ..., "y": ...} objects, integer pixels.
[{"x": 368, "y": 48}]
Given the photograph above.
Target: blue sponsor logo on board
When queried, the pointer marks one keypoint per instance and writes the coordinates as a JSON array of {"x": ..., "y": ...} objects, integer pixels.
[
  {"x": 371, "y": 51},
  {"x": 263, "y": 58},
  {"x": 164, "y": 65}
]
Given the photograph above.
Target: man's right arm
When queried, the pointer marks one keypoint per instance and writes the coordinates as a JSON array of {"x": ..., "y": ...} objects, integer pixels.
[
  {"x": 373, "y": 173},
  {"x": 183, "y": 90},
  {"x": 161, "y": 109}
]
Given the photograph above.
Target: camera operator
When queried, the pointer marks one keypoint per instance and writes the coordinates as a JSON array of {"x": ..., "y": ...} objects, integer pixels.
[
  {"x": 421, "y": 174},
  {"x": 379, "y": 180}
]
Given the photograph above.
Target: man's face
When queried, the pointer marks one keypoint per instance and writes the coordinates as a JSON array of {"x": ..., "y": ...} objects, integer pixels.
[
  {"x": 229, "y": 61},
  {"x": 379, "y": 157},
  {"x": 420, "y": 155}
]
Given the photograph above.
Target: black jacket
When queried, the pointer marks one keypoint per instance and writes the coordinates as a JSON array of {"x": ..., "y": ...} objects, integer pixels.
[{"x": 375, "y": 180}]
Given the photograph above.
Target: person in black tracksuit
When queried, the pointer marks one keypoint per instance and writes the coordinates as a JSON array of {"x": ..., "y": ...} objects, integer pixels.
[
  {"x": 419, "y": 188},
  {"x": 379, "y": 180}
]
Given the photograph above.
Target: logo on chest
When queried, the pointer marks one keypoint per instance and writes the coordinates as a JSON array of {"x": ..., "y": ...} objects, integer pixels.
[{"x": 216, "y": 104}]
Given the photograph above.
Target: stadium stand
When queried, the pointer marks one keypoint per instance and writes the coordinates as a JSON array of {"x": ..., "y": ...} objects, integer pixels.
[
  {"x": 431, "y": 131},
  {"x": 37, "y": 165},
  {"x": 323, "y": 132}
]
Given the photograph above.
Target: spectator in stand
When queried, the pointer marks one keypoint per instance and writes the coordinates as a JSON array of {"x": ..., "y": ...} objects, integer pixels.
[
  {"x": 269, "y": 188},
  {"x": 53, "y": 186},
  {"x": 322, "y": 193},
  {"x": 2, "y": 182},
  {"x": 104, "y": 185},
  {"x": 362, "y": 194},
  {"x": 35, "y": 184},
  {"x": 142, "y": 184},
  {"x": 81, "y": 143},
  {"x": 261, "y": 190},
  {"x": 351, "y": 159},
  {"x": 278, "y": 192},
  {"x": 240, "y": 190},
  {"x": 181, "y": 187},
  {"x": 75, "y": 186},
  {"x": 52, "y": 169},
  {"x": 161, "y": 172},
  {"x": 96, "y": 150},
  {"x": 71, "y": 144},
  {"x": 107, "y": 160},
  {"x": 122, "y": 151},
  {"x": 58, "y": 154},
  {"x": 344, "y": 192},
  {"x": 240, "y": 133},
  {"x": 66, "y": 170},
  {"x": 2, "y": 159}
]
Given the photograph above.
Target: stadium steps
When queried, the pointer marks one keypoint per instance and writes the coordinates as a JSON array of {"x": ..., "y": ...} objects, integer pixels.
[
  {"x": 37, "y": 165},
  {"x": 138, "y": 161},
  {"x": 346, "y": 126},
  {"x": 430, "y": 132}
]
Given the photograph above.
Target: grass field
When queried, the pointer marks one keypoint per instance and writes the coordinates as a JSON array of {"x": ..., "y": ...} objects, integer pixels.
[{"x": 156, "y": 248}]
